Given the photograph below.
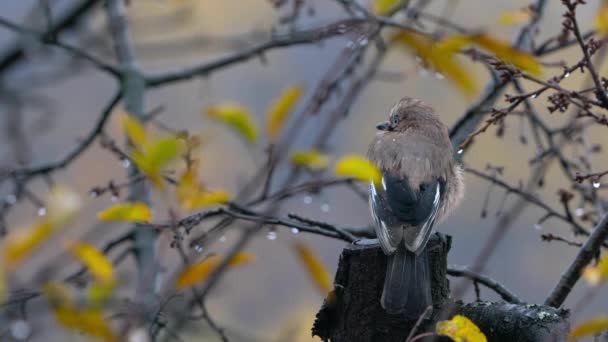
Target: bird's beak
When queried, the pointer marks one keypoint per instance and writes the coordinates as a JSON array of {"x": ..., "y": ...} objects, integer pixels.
[{"x": 384, "y": 126}]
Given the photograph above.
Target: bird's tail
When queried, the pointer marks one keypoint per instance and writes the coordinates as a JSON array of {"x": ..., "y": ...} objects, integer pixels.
[{"x": 407, "y": 284}]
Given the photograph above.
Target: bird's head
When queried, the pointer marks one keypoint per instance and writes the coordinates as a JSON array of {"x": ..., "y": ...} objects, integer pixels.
[{"x": 408, "y": 113}]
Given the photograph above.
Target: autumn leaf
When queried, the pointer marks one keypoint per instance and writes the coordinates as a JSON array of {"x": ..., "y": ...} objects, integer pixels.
[
  {"x": 442, "y": 59},
  {"x": 199, "y": 271},
  {"x": 22, "y": 242},
  {"x": 89, "y": 320},
  {"x": 384, "y": 7},
  {"x": 277, "y": 115},
  {"x": 129, "y": 212},
  {"x": 58, "y": 294},
  {"x": 235, "y": 116},
  {"x": 155, "y": 156},
  {"x": 191, "y": 195},
  {"x": 134, "y": 130},
  {"x": 590, "y": 327},
  {"x": 63, "y": 205},
  {"x": 151, "y": 155},
  {"x": 311, "y": 159},
  {"x": 359, "y": 168},
  {"x": 595, "y": 274},
  {"x": 316, "y": 270},
  {"x": 460, "y": 329},
  {"x": 601, "y": 19},
  {"x": 505, "y": 52},
  {"x": 519, "y": 16},
  {"x": 94, "y": 260},
  {"x": 99, "y": 292},
  {"x": 207, "y": 198}
]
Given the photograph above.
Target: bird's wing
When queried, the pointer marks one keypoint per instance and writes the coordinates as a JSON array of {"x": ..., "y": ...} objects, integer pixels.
[
  {"x": 403, "y": 213},
  {"x": 416, "y": 237},
  {"x": 387, "y": 226}
]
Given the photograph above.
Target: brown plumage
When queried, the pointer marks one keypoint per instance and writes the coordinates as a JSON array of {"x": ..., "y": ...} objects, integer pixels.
[
  {"x": 418, "y": 148},
  {"x": 421, "y": 184}
]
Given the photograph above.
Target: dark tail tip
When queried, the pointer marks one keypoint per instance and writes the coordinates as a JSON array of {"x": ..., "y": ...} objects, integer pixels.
[{"x": 407, "y": 285}]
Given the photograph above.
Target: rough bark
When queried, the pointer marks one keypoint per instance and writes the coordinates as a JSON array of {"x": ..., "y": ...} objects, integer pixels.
[{"x": 353, "y": 311}]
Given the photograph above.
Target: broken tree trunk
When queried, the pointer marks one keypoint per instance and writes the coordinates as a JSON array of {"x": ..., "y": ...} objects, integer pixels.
[{"x": 353, "y": 312}]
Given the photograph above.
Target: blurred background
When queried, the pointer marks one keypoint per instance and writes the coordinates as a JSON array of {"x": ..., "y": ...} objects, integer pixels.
[{"x": 272, "y": 297}]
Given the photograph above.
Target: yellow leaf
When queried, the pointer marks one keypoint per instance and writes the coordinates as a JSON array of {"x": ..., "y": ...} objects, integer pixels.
[
  {"x": 200, "y": 271},
  {"x": 188, "y": 187},
  {"x": 22, "y": 242},
  {"x": 601, "y": 19},
  {"x": 317, "y": 271},
  {"x": 208, "y": 198},
  {"x": 505, "y": 52},
  {"x": 155, "y": 156},
  {"x": 520, "y": 16},
  {"x": 235, "y": 116},
  {"x": 595, "y": 274},
  {"x": 134, "y": 130},
  {"x": 151, "y": 155},
  {"x": 94, "y": 260},
  {"x": 135, "y": 211},
  {"x": 63, "y": 205},
  {"x": 590, "y": 327},
  {"x": 276, "y": 117},
  {"x": 384, "y": 7},
  {"x": 58, "y": 294},
  {"x": 312, "y": 159},
  {"x": 162, "y": 151},
  {"x": 88, "y": 320},
  {"x": 460, "y": 329},
  {"x": 453, "y": 43},
  {"x": 359, "y": 168},
  {"x": 99, "y": 292},
  {"x": 191, "y": 195},
  {"x": 441, "y": 57}
]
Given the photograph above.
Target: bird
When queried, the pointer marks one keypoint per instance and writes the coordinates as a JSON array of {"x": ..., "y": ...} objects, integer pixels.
[{"x": 421, "y": 184}]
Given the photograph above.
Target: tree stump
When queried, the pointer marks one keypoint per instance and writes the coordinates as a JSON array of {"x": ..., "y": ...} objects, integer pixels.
[{"x": 353, "y": 313}]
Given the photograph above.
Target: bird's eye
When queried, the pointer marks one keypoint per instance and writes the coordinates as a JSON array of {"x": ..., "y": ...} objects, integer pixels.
[{"x": 395, "y": 120}]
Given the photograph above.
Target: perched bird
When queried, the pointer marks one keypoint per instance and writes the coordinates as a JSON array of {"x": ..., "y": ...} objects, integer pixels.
[{"x": 421, "y": 184}]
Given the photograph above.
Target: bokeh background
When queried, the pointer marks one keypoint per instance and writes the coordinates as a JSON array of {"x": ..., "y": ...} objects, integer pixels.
[{"x": 274, "y": 297}]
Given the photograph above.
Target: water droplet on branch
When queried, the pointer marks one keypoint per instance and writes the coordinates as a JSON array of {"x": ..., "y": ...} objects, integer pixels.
[
  {"x": 20, "y": 330},
  {"x": 307, "y": 199},
  {"x": 41, "y": 211},
  {"x": 295, "y": 231},
  {"x": 596, "y": 184},
  {"x": 126, "y": 163},
  {"x": 271, "y": 235}
]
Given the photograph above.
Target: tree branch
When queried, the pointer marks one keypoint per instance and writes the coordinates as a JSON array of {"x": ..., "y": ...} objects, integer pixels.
[
  {"x": 67, "y": 20},
  {"x": 567, "y": 281},
  {"x": 506, "y": 294},
  {"x": 133, "y": 88}
]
